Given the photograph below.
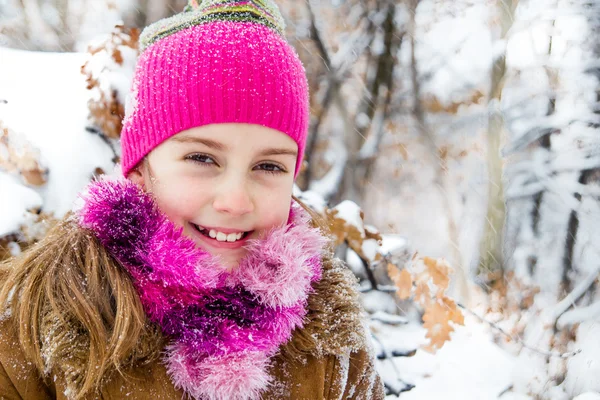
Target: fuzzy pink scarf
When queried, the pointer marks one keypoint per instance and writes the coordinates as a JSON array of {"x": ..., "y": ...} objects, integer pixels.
[{"x": 224, "y": 326}]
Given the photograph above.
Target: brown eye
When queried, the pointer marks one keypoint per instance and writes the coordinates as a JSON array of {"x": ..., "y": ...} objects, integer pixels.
[
  {"x": 270, "y": 168},
  {"x": 201, "y": 159}
]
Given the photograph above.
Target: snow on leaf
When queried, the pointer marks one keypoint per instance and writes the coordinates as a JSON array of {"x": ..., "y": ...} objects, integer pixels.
[
  {"x": 422, "y": 293},
  {"x": 439, "y": 271},
  {"x": 18, "y": 156},
  {"x": 346, "y": 222},
  {"x": 454, "y": 314},
  {"x": 108, "y": 73}
]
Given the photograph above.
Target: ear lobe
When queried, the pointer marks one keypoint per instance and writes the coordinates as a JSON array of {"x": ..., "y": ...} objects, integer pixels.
[{"x": 137, "y": 177}]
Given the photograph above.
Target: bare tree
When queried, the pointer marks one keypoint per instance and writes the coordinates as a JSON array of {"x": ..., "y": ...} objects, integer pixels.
[
  {"x": 361, "y": 131},
  {"x": 553, "y": 198},
  {"x": 491, "y": 247}
]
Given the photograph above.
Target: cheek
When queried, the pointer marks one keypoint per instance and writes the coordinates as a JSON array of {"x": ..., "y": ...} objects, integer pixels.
[
  {"x": 179, "y": 199},
  {"x": 273, "y": 211}
]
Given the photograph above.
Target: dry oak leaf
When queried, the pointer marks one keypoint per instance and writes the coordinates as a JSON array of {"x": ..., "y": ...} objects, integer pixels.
[
  {"x": 336, "y": 226},
  {"x": 439, "y": 272},
  {"x": 402, "y": 280},
  {"x": 454, "y": 314},
  {"x": 436, "y": 322},
  {"x": 423, "y": 293},
  {"x": 342, "y": 230}
]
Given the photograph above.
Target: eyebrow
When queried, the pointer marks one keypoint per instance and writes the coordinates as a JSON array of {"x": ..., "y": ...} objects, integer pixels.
[
  {"x": 278, "y": 152},
  {"x": 207, "y": 142},
  {"x": 271, "y": 151}
]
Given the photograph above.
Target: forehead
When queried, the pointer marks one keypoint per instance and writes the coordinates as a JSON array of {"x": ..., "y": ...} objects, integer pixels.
[{"x": 236, "y": 136}]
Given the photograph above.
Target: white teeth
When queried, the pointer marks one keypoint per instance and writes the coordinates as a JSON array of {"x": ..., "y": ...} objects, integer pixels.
[{"x": 223, "y": 237}]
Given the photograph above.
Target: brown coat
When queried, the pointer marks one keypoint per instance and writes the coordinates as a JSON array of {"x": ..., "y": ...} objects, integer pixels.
[{"x": 329, "y": 359}]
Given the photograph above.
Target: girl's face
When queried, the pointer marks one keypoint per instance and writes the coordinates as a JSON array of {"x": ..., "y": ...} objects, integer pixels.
[{"x": 223, "y": 183}]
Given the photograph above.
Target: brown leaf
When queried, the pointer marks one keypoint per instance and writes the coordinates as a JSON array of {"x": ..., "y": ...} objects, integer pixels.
[
  {"x": 439, "y": 272},
  {"x": 402, "y": 280},
  {"x": 404, "y": 284},
  {"x": 34, "y": 177},
  {"x": 438, "y": 327},
  {"x": 336, "y": 226},
  {"x": 106, "y": 111},
  {"x": 423, "y": 293},
  {"x": 98, "y": 171},
  {"x": 373, "y": 234},
  {"x": 346, "y": 232},
  {"x": 433, "y": 104},
  {"x": 454, "y": 313}
]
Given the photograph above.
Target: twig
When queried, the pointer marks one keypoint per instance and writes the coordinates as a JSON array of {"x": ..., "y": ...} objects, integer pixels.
[
  {"x": 314, "y": 33},
  {"x": 333, "y": 86},
  {"x": 96, "y": 131},
  {"x": 575, "y": 316},
  {"x": 407, "y": 386},
  {"x": 575, "y": 294},
  {"x": 381, "y": 288},
  {"x": 519, "y": 341},
  {"x": 369, "y": 271},
  {"x": 506, "y": 390}
]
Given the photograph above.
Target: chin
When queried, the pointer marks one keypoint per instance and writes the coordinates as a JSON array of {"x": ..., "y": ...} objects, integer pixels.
[{"x": 230, "y": 262}]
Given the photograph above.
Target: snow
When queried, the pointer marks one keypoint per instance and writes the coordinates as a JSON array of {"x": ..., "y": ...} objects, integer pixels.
[
  {"x": 46, "y": 101},
  {"x": 328, "y": 184},
  {"x": 454, "y": 46},
  {"x": 375, "y": 301},
  {"x": 390, "y": 319},
  {"x": 392, "y": 244},
  {"x": 15, "y": 200},
  {"x": 370, "y": 249},
  {"x": 470, "y": 366},
  {"x": 350, "y": 212},
  {"x": 312, "y": 199},
  {"x": 583, "y": 369},
  {"x": 355, "y": 264},
  {"x": 116, "y": 77},
  {"x": 588, "y": 396}
]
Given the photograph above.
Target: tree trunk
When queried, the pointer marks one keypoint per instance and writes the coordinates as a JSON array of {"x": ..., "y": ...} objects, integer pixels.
[{"x": 491, "y": 246}]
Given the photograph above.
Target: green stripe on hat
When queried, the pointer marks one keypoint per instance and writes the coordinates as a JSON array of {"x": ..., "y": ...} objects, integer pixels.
[{"x": 263, "y": 12}]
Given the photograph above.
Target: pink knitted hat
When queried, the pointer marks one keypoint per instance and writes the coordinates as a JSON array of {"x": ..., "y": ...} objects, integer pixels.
[{"x": 217, "y": 62}]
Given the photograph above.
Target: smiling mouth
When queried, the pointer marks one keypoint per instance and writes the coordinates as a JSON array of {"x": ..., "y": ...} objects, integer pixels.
[{"x": 220, "y": 236}]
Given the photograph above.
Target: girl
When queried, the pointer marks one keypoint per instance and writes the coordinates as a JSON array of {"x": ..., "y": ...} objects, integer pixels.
[{"x": 197, "y": 273}]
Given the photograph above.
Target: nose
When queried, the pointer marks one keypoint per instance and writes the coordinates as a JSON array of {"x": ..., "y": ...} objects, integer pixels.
[{"x": 233, "y": 197}]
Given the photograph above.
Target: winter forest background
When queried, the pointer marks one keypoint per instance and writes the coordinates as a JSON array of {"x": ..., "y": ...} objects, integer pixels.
[{"x": 454, "y": 148}]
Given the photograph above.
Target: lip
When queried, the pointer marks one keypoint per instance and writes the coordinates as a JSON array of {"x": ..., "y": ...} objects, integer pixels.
[
  {"x": 214, "y": 243},
  {"x": 224, "y": 230}
]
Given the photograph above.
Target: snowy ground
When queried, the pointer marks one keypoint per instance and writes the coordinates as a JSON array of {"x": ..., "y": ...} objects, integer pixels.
[{"x": 469, "y": 367}]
